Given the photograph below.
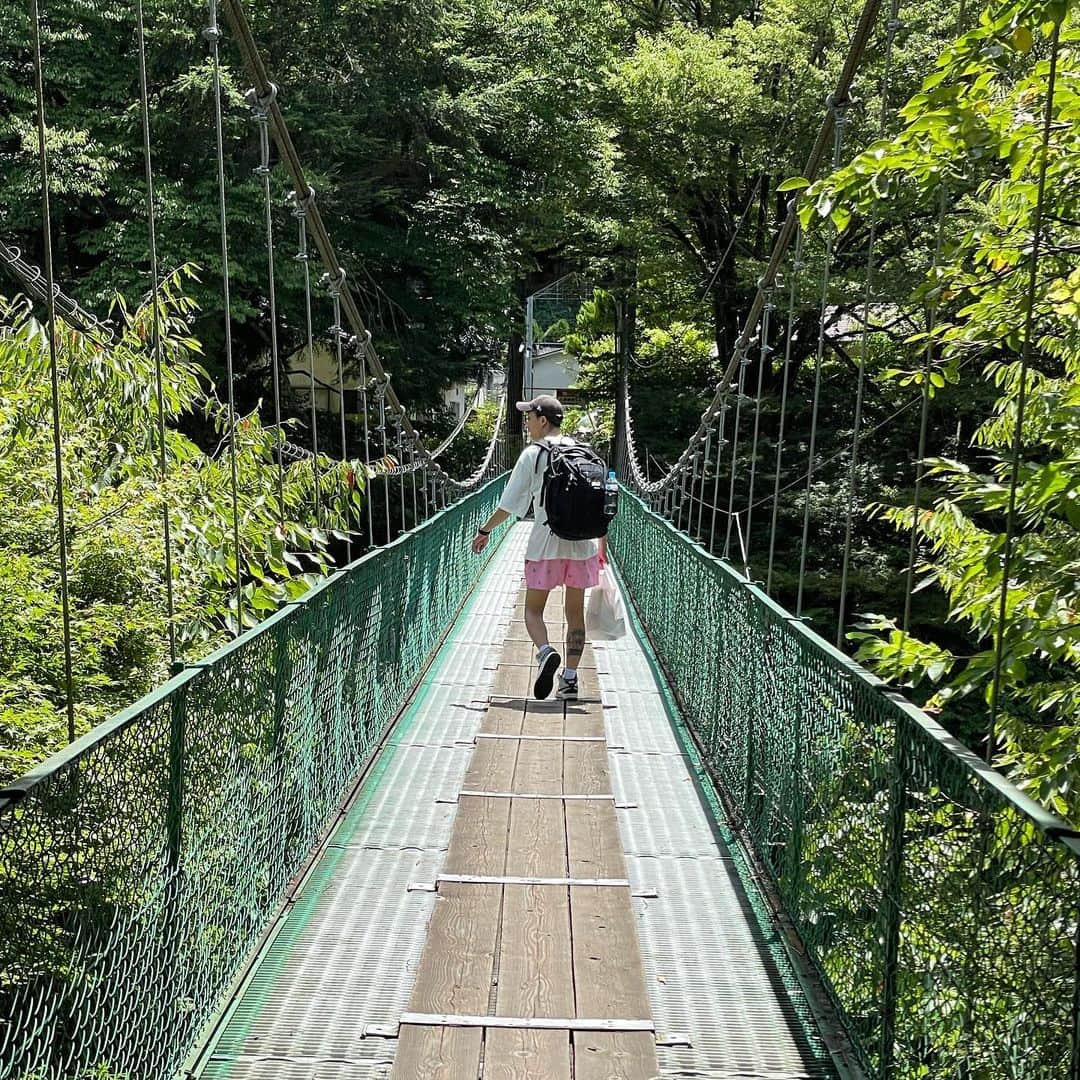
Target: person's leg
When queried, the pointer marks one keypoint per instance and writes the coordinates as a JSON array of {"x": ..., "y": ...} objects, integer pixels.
[
  {"x": 575, "y": 628},
  {"x": 535, "y": 602},
  {"x": 547, "y": 659}
]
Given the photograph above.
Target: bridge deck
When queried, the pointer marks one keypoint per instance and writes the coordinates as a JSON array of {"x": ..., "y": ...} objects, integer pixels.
[{"x": 367, "y": 942}]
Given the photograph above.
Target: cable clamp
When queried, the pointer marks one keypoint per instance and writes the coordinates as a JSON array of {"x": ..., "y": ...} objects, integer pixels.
[
  {"x": 361, "y": 344},
  {"x": 334, "y": 284},
  {"x": 267, "y": 99},
  {"x": 301, "y": 205}
]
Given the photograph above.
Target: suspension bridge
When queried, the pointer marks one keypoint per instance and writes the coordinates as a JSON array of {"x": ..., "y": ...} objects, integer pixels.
[{"x": 349, "y": 844}]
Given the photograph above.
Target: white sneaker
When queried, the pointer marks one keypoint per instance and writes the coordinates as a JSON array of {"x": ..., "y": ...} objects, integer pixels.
[{"x": 567, "y": 690}]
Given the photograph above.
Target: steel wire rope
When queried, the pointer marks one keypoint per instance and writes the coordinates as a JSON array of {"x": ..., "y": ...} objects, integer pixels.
[
  {"x": 797, "y": 267},
  {"x": 261, "y": 116},
  {"x": 412, "y": 477},
  {"x": 766, "y": 310},
  {"x": 460, "y": 425},
  {"x": 212, "y": 34},
  {"x": 155, "y": 300},
  {"x": 401, "y": 462},
  {"x": 301, "y": 206},
  {"x": 1021, "y": 399},
  {"x": 908, "y": 405},
  {"x": 717, "y": 408},
  {"x": 54, "y": 368},
  {"x": 337, "y": 332},
  {"x": 361, "y": 345},
  {"x": 380, "y": 393},
  {"x": 739, "y": 393},
  {"x": 765, "y": 351},
  {"x": 891, "y": 29},
  {"x": 704, "y": 476},
  {"x": 237, "y": 18},
  {"x": 819, "y": 356},
  {"x": 33, "y": 281},
  {"x": 924, "y": 415}
]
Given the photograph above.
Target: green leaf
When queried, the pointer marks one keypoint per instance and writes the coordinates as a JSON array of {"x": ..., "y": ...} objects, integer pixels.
[{"x": 793, "y": 183}]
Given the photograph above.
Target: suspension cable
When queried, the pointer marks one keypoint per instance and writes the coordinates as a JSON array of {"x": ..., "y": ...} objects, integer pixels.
[
  {"x": 333, "y": 287},
  {"x": 301, "y": 208},
  {"x": 928, "y": 358},
  {"x": 838, "y": 139},
  {"x": 33, "y": 282},
  {"x": 54, "y": 369},
  {"x": 155, "y": 299},
  {"x": 234, "y": 13},
  {"x": 739, "y": 395},
  {"x": 765, "y": 351},
  {"x": 212, "y": 34},
  {"x": 401, "y": 483},
  {"x": 261, "y": 116},
  {"x": 797, "y": 267},
  {"x": 1021, "y": 400},
  {"x": 788, "y": 230},
  {"x": 891, "y": 29},
  {"x": 361, "y": 346},
  {"x": 381, "y": 386}
]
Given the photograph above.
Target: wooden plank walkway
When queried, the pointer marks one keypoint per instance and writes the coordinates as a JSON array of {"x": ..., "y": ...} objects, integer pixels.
[{"x": 526, "y": 951}]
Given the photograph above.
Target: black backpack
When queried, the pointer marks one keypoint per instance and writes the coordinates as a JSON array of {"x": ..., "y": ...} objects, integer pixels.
[{"x": 573, "y": 491}]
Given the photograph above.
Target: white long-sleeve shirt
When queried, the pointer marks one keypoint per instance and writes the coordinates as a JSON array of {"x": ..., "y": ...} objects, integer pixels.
[{"x": 523, "y": 490}]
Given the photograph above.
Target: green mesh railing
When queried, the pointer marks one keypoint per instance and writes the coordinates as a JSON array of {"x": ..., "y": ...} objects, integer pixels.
[
  {"x": 939, "y": 904},
  {"x": 139, "y": 867}
]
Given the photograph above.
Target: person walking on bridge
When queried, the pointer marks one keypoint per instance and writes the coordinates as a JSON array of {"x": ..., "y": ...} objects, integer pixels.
[{"x": 550, "y": 560}]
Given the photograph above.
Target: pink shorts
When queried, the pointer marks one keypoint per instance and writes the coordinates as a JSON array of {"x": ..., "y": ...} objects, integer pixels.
[{"x": 551, "y": 573}]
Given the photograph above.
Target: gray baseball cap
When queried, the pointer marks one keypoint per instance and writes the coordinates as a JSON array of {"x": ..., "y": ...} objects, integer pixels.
[{"x": 543, "y": 405}]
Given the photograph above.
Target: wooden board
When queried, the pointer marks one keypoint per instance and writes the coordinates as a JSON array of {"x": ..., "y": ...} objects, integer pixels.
[
  {"x": 535, "y": 979},
  {"x": 454, "y": 977},
  {"x": 532, "y": 950},
  {"x": 584, "y": 718},
  {"x": 503, "y": 717},
  {"x": 519, "y": 649},
  {"x": 585, "y": 768},
  {"x": 626, "y": 1055},
  {"x": 594, "y": 847},
  {"x": 512, "y": 682},
  {"x": 526, "y": 1055},
  {"x": 482, "y": 826}
]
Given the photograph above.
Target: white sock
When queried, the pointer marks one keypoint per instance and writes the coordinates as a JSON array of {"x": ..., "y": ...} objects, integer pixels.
[
  {"x": 570, "y": 674},
  {"x": 542, "y": 652}
]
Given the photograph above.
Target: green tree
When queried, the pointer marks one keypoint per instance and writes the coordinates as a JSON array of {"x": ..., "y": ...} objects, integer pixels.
[
  {"x": 115, "y": 502},
  {"x": 975, "y": 130}
]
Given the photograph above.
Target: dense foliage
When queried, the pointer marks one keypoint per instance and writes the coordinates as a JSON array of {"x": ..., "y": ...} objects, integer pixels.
[
  {"x": 465, "y": 153},
  {"x": 115, "y": 501},
  {"x": 973, "y": 142}
]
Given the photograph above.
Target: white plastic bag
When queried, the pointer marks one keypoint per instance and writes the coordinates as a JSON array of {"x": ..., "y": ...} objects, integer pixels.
[{"x": 605, "y": 619}]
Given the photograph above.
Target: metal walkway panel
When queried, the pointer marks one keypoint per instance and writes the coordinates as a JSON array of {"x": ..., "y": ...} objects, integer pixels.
[
  {"x": 347, "y": 952},
  {"x": 714, "y": 973},
  {"x": 669, "y": 820}
]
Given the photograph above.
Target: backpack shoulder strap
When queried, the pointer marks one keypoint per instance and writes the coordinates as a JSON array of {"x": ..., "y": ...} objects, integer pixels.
[{"x": 544, "y": 445}]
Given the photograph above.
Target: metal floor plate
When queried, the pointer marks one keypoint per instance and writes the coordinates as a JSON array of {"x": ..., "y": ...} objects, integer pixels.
[{"x": 347, "y": 953}]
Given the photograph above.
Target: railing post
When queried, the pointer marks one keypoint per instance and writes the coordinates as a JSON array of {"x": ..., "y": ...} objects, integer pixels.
[
  {"x": 174, "y": 814},
  {"x": 890, "y": 897},
  {"x": 282, "y": 678}
]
